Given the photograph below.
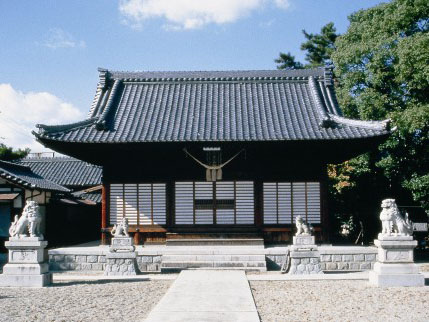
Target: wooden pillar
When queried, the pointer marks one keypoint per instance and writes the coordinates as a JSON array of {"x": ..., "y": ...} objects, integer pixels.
[
  {"x": 137, "y": 237},
  {"x": 258, "y": 197},
  {"x": 326, "y": 227},
  {"x": 104, "y": 211}
]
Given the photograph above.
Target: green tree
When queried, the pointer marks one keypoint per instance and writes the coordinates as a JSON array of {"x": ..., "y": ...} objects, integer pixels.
[
  {"x": 382, "y": 69},
  {"x": 287, "y": 61},
  {"x": 318, "y": 48},
  {"x": 9, "y": 154}
]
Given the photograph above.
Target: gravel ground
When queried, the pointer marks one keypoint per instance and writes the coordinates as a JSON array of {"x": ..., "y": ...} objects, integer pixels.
[
  {"x": 82, "y": 301},
  {"x": 338, "y": 301}
]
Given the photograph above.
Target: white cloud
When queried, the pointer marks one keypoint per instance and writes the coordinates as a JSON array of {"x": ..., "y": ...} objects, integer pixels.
[
  {"x": 20, "y": 112},
  {"x": 58, "y": 38},
  {"x": 191, "y": 14}
]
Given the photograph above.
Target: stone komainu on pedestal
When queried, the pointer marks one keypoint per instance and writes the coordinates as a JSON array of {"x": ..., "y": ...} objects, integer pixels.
[
  {"x": 121, "y": 259},
  {"x": 304, "y": 256},
  {"x": 395, "y": 265},
  {"x": 28, "y": 259}
]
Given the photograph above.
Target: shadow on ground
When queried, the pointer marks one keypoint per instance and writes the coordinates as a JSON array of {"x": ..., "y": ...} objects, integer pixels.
[{"x": 100, "y": 281}]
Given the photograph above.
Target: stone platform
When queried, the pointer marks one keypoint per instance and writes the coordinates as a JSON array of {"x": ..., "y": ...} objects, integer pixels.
[
  {"x": 27, "y": 263},
  {"x": 90, "y": 257},
  {"x": 395, "y": 265}
]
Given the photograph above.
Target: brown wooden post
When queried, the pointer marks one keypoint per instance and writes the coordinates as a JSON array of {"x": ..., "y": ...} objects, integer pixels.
[
  {"x": 326, "y": 229},
  {"x": 137, "y": 236},
  {"x": 258, "y": 199},
  {"x": 104, "y": 205}
]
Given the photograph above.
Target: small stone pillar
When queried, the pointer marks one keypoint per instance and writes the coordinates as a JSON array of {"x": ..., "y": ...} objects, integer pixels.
[
  {"x": 304, "y": 256},
  {"x": 121, "y": 258},
  {"x": 27, "y": 264},
  {"x": 395, "y": 265}
]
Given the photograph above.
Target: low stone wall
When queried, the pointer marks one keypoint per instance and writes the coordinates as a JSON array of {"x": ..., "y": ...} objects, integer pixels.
[
  {"x": 332, "y": 258},
  {"x": 74, "y": 259}
]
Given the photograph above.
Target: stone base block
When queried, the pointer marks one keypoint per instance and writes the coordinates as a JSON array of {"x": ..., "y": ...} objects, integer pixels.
[
  {"x": 304, "y": 240},
  {"x": 386, "y": 280},
  {"x": 40, "y": 280},
  {"x": 305, "y": 262},
  {"x": 120, "y": 264},
  {"x": 122, "y": 244},
  {"x": 408, "y": 268},
  {"x": 25, "y": 269}
]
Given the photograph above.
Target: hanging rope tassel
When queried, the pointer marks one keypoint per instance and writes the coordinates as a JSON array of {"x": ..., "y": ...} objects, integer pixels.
[{"x": 213, "y": 172}]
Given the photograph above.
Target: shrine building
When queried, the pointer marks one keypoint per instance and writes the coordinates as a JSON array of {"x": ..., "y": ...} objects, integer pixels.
[{"x": 219, "y": 153}]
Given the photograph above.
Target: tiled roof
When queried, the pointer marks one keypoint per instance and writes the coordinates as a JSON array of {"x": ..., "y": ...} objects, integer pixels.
[
  {"x": 25, "y": 177},
  {"x": 65, "y": 171},
  {"x": 274, "y": 105},
  {"x": 94, "y": 196}
]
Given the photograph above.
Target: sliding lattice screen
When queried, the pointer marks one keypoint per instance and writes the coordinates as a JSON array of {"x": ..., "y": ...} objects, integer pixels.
[
  {"x": 285, "y": 200},
  {"x": 222, "y": 203},
  {"x": 142, "y": 204}
]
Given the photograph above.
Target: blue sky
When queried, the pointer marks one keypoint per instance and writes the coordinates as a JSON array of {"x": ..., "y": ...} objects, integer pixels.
[{"x": 50, "y": 50}]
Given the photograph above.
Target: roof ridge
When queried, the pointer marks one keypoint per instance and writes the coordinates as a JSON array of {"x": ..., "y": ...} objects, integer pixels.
[
  {"x": 104, "y": 70},
  {"x": 216, "y": 75}
]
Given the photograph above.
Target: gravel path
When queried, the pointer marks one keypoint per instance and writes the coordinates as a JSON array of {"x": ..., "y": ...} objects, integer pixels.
[
  {"x": 338, "y": 301},
  {"x": 82, "y": 301}
]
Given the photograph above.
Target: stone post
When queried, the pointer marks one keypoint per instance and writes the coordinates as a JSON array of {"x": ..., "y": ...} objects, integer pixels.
[
  {"x": 121, "y": 258},
  {"x": 27, "y": 264},
  {"x": 304, "y": 256},
  {"x": 395, "y": 265}
]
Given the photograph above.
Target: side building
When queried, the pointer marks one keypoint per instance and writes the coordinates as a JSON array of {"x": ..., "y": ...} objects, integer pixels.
[
  {"x": 191, "y": 154},
  {"x": 68, "y": 192}
]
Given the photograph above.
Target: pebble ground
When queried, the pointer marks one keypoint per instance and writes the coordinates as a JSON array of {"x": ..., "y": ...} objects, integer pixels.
[
  {"x": 338, "y": 301},
  {"x": 82, "y": 301}
]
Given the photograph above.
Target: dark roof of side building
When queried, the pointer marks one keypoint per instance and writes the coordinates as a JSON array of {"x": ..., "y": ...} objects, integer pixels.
[
  {"x": 23, "y": 176},
  {"x": 223, "y": 106},
  {"x": 66, "y": 171}
]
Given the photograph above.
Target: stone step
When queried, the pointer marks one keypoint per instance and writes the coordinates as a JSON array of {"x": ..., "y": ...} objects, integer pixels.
[
  {"x": 212, "y": 257},
  {"x": 216, "y": 242},
  {"x": 244, "y": 265},
  {"x": 246, "y": 269}
]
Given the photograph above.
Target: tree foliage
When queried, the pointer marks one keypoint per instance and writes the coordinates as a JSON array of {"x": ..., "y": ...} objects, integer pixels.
[
  {"x": 382, "y": 68},
  {"x": 287, "y": 61},
  {"x": 9, "y": 154},
  {"x": 318, "y": 48}
]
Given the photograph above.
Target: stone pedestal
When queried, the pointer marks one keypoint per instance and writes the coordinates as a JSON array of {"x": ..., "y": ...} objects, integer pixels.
[
  {"x": 304, "y": 256},
  {"x": 395, "y": 265},
  {"x": 121, "y": 259},
  {"x": 120, "y": 264},
  {"x": 27, "y": 264},
  {"x": 122, "y": 244}
]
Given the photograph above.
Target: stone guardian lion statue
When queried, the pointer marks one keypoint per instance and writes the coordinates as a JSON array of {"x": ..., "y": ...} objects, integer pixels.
[
  {"x": 121, "y": 229},
  {"x": 302, "y": 228},
  {"x": 28, "y": 223},
  {"x": 392, "y": 221}
]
